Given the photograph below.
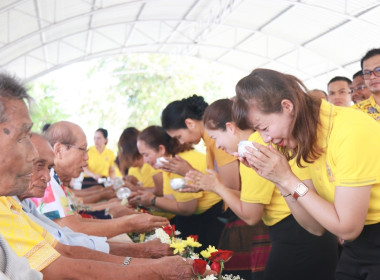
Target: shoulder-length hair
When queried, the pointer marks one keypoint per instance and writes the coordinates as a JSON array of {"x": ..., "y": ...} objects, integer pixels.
[{"x": 264, "y": 90}]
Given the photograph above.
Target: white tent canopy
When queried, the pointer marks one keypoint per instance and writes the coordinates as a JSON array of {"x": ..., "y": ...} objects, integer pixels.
[{"x": 312, "y": 39}]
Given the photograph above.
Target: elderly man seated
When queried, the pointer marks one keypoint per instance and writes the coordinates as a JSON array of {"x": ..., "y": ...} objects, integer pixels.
[
  {"x": 30, "y": 240},
  {"x": 70, "y": 157},
  {"x": 37, "y": 186}
]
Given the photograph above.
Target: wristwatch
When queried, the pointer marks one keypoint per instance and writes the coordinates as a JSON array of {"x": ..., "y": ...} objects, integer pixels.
[{"x": 300, "y": 190}]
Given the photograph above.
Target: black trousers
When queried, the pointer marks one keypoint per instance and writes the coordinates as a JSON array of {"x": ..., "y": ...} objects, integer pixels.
[
  {"x": 89, "y": 182},
  {"x": 360, "y": 259},
  {"x": 297, "y": 254},
  {"x": 206, "y": 225}
]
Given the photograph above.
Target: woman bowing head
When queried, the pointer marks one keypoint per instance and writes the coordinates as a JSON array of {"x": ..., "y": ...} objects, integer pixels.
[{"x": 343, "y": 171}]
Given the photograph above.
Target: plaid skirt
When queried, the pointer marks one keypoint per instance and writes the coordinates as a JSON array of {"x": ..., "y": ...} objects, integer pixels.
[{"x": 251, "y": 246}]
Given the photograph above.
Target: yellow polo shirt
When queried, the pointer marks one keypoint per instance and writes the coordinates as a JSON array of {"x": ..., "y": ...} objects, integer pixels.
[
  {"x": 144, "y": 174},
  {"x": 26, "y": 238},
  {"x": 215, "y": 157},
  {"x": 205, "y": 199},
  {"x": 351, "y": 158},
  {"x": 256, "y": 189},
  {"x": 370, "y": 107},
  {"x": 100, "y": 163}
]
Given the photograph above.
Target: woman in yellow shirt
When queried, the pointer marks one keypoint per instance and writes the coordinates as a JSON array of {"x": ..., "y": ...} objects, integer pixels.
[
  {"x": 182, "y": 119},
  {"x": 342, "y": 147},
  {"x": 193, "y": 210},
  {"x": 101, "y": 160},
  {"x": 138, "y": 175},
  {"x": 259, "y": 199}
]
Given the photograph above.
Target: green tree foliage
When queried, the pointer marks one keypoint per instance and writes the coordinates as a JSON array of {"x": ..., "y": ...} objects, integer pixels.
[
  {"x": 123, "y": 91},
  {"x": 143, "y": 84},
  {"x": 44, "y": 108}
]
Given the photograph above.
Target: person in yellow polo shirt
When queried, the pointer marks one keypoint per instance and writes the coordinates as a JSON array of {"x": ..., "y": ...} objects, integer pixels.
[
  {"x": 28, "y": 239},
  {"x": 138, "y": 175},
  {"x": 259, "y": 199},
  {"x": 343, "y": 196},
  {"x": 101, "y": 160},
  {"x": 370, "y": 65},
  {"x": 193, "y": 210},
  {"x": 182, "y": 119}
]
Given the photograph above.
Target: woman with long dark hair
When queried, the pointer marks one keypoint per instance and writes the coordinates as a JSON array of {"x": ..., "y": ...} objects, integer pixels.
[
  {"x": 307, "y": 256},
  {"x": 193, "y": 210},
  {"x": 341, "y": 148}
]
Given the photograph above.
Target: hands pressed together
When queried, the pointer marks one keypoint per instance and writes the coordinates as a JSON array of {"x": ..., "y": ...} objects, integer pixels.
[
  {"x": 268, "y": 163},
  {"x": 197, "y": 181},
  {"x": 176, "y": 165}
]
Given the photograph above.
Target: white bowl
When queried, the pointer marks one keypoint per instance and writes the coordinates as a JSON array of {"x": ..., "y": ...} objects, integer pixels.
[
  {"x": 177, "y": 183},
  {"x": 123, "y": 193},
  {"x": 160, "y": 160},
  {"x": 242, "y": 147}
]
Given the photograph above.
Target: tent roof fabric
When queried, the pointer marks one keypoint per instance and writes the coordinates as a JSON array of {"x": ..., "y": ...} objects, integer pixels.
[{"x": 312, "y": 39}]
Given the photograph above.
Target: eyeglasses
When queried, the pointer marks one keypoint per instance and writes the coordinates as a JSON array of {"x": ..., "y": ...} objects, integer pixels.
[
  {"x": 361, "y": 87},
  {"x": 83, "y": 150},
  {"x": 367, "y": 73}
]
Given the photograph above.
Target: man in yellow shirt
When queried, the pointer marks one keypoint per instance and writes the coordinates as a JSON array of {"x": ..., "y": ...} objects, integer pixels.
[
  {"x": 339, "y": 91},
  {"x": 359, "y": 91},
  {"x": 371, "y": 73},
  {"x": 28, "y": 239}
]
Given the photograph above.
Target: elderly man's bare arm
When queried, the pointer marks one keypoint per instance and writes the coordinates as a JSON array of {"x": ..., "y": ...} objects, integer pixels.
[
  {"x": 168, "y": 268},
  {"x": 111, "y": 228},
  {"x": 150, "y": 249}
]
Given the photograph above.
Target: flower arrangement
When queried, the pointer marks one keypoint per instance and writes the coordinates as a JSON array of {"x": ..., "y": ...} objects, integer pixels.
[{"x": 212, "y": 258}]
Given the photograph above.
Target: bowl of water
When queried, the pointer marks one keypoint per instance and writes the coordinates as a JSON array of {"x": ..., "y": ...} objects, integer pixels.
[
  {"x": 242, "y": 147},
  {"x": 177, "y": 183},
  {"x": 161, "y": 160},
  {"x": 123, "y": 193}
]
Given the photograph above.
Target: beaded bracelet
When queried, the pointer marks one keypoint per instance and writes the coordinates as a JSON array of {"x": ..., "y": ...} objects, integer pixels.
[
  {"x": 153, "y": 202},
  {"x": 127, "y": 260}
]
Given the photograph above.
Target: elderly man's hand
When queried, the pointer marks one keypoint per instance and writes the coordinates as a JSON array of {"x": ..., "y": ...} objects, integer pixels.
[
  {"x": 156, "y": 249},
  {"x": 145, "y": 222},
  {"x": 176, "y": 267}
]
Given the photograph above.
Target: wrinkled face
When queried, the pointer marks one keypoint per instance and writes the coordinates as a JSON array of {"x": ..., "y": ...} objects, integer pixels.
[
  {"x": 72, "y": 158},
  {"x": 41, "y": 168},
  {"x": 99, "y": 140},
  {"x": 373, "y": 83},
  {"x": 274, "y": 128},
  {"x": 17, "y": 152},
  {"x": 339, "y": 94},
  {"x": 149, "y": 154},
  {"x": 224, "y": 139},
  {"x": 359, "y": 90}
]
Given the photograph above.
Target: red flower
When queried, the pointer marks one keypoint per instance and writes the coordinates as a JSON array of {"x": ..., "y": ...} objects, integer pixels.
[
  {"x": 216, "y": 267},
  {"x": 221, "y": 255},
  {"x": 194, "y": 237},
  {"x": 170, "y": 230},
  {"x": 199, "y": 266}
]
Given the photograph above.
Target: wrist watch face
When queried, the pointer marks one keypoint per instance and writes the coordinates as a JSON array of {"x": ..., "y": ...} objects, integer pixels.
[{"x": 301, "y": 189}]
